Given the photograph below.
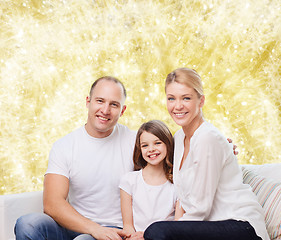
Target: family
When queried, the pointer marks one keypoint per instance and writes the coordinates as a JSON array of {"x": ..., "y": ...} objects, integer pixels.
[{"x": 185, "y": 187}]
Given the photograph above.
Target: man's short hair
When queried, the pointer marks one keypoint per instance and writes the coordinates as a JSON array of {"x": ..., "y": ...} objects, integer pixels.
[{"x": 108, "y": 78}]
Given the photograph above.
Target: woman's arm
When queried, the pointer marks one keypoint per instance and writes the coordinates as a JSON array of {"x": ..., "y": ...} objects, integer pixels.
[
  {"x": 179, "y": 211},
  {"x": 127, "y": 212}
]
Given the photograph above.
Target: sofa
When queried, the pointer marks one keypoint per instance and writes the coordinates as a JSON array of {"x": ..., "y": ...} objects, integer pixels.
[{"x": 265, "y": 181}]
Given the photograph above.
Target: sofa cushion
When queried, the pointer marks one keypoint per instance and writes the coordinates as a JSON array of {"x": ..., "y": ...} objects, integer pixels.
[{"x": 268, "y": 193}]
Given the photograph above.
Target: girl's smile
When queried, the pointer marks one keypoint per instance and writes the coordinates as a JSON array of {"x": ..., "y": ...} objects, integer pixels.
[{"x": 153, "y": 149}]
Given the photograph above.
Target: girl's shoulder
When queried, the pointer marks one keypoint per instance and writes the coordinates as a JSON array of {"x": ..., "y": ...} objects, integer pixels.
[{"x": 131, "y": 176}]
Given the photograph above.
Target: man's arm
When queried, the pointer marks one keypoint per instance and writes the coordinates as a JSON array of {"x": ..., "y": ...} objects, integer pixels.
[{"x": 56, "y": 189}]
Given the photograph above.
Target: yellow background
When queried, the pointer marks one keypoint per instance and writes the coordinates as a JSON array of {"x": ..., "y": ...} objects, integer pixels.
[{"x": 51, "y": 51}]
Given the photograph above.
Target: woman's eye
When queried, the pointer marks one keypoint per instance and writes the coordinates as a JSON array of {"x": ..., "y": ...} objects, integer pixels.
[
  {"x": 186, "y": 98},
  {"x": 170, "y": 99}
]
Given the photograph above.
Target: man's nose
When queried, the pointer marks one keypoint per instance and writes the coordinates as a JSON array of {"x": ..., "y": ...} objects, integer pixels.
[{"x": 106, "y": 108}]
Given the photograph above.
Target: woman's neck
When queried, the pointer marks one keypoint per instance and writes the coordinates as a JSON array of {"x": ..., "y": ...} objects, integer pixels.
[
  {"x": 193, "y": 126},
  {"x": 154, "y": 174}
]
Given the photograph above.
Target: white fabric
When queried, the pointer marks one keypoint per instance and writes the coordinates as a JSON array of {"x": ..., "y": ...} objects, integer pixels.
[
  {"x": 12, "y": 206},
  {"x": 94, "y": 167},
  {"x": 150, "y": 203},
  {"x": 209, "y": 184},
  {"x": 269, "y": 170}
]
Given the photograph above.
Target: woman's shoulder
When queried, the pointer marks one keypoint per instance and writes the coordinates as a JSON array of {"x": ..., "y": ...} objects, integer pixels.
[{"x": 207, "y": 132}]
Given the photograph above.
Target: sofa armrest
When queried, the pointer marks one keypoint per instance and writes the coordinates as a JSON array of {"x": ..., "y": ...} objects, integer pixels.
[{"x": 12, "y": 206}]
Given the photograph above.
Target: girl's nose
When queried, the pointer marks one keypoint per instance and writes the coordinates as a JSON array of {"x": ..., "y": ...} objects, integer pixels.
[{"x": 151, "y": 148}]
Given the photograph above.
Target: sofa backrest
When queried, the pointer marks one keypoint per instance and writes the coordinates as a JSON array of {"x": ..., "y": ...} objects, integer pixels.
[{"x": 12, "y": 206}]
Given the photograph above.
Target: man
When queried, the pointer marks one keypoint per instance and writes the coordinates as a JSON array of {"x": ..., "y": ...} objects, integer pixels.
[{"x": 81, "y": 194}]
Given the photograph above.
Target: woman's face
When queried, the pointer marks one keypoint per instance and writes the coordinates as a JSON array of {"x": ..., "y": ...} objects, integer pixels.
[{"x": 183, "y": 104}]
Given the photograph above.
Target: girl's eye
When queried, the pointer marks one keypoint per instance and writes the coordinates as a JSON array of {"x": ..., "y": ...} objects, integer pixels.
[
  {"x": 144, "y": 145},
  {"x": 158, "y": 143}
]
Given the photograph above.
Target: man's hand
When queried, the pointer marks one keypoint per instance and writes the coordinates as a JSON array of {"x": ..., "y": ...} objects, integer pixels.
[
  {"x": 136, "y": 236},
  {"x": 106, "y": 233},
  {"x": 235, "y": 151}
]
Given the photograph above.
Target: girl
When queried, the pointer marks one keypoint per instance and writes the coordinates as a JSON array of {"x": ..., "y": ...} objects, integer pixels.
[
  {"x": 208, "y": 181},
  {"x": 147, "y": 194}
]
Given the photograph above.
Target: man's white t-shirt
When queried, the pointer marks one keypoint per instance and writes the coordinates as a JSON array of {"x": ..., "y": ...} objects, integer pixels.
[
  {"x": 149, "y": 203},
  {"x": 94, "y": 167}
]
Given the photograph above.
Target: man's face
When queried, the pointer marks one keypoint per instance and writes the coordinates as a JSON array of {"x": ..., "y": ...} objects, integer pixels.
[{"x": 105, "y": 106}]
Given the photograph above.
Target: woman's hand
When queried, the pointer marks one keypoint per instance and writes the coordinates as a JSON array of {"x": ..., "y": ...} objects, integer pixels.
[{"x": 235, "y": 151}]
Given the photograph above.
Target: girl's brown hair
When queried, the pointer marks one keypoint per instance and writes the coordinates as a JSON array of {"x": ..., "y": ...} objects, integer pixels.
[{"x": 160, "y": 130}]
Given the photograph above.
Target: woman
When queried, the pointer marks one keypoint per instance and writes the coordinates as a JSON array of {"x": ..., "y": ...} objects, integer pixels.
[{"x": 214, "y": 202}]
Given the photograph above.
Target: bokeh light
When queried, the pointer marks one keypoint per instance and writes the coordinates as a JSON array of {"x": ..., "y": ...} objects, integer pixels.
[{"x": 51, "y": 51}]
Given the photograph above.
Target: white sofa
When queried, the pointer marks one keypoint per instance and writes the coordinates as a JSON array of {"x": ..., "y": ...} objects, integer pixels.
[{"x": 265, "y": 180}]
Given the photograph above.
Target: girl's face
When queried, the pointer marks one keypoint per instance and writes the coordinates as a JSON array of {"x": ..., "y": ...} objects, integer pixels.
[
  {"x": 183, "y": 104},
  {"x": 152, "y": 148}
]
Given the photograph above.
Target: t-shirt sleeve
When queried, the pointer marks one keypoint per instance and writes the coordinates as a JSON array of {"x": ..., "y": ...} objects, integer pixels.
[
  {"x": 58, "y": 161},
  {"x": 126, "y": 183}
]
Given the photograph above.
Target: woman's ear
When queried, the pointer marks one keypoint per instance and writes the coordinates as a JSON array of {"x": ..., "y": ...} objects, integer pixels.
[{"x": 202, "y": 101}]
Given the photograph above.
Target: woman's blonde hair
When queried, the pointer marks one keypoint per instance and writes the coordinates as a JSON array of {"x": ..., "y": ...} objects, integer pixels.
[{"x": 188, "y": 77}]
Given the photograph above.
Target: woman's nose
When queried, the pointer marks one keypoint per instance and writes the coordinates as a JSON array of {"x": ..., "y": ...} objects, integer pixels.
[{"x": 178, "y": 105}]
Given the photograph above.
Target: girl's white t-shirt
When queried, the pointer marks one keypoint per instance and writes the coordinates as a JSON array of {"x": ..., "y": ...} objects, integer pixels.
[{"x": 150, "y": 203}]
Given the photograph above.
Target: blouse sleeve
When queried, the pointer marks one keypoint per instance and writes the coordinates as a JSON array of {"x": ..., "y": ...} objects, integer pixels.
[{"x": 200, "y": 178}]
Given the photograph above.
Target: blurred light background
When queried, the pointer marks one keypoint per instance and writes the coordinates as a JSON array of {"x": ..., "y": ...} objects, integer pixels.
[{"x": 51, "y": 51}]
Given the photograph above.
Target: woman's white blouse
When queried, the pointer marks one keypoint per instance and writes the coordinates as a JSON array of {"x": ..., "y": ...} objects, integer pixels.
[{"x": 209, "y": 185}]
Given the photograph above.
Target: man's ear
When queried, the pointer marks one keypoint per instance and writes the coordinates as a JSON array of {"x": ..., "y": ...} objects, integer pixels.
[
  {"x": 88, "y": 99},
  {"x": 123, "y": 110}
]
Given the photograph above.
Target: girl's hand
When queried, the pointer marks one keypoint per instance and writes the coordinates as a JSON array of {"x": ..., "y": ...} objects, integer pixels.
[
  {"x": 179, "y": 211},
  {"x": 106, "y": 233},
  {"x": 136, "y": 236}
]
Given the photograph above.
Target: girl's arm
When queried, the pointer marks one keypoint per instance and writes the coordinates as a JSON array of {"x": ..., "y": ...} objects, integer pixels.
[
  {"x": 127, "y": 212},
  {"x": 179, "y": 211}
]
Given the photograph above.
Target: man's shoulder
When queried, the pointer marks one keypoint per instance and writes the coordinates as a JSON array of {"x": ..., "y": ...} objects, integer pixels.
[
  {"x": 70, "y": 137},
  {"x": 124, "y": 130}
]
